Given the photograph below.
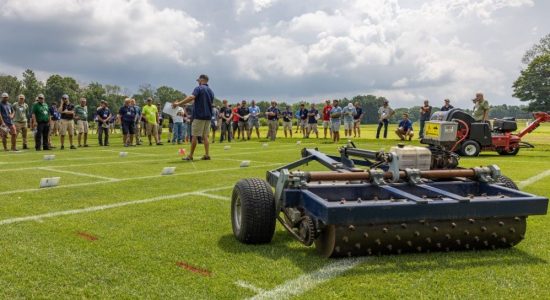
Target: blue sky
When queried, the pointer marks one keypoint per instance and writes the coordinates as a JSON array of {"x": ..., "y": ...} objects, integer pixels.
[{"x": 406, "y": 51}]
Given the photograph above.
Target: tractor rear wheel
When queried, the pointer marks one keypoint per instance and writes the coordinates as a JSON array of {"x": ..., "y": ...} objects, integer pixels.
[
  {"x": 253, "y": 214},
  {"x": 507, "y": 182},
  {"x": 470, "y": 148},
  {"x": 512, "y": 151}
]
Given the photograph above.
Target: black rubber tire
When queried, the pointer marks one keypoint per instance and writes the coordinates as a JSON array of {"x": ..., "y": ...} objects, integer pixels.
[
  {"x": 467, "y": 147},
  {"x": 253, "y": 214},
  {"x": 507, "y": 182},
  {"x": 504, "y": 152}
]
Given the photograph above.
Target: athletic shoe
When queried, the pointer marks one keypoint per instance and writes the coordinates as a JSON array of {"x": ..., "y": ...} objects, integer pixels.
[
  {"x": 62, "y": 148},
  {"x": 25, "y": 147},
  {"x": 86, "y": 145},
  {"x": 159, "y": 144},
  {"x": 73, "y": 147}
]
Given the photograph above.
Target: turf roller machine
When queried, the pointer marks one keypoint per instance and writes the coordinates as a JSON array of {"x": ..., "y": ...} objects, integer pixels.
[{"x": 376, "y": 202}]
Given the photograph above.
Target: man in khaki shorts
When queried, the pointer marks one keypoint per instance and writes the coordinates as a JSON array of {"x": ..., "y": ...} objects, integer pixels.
[
  {"x": 151, "y": 114},
  {"x": 21, "y": 110},
  {"x": 203, "y": 98},
  {"x": 67, "y": 121},
  {"x": 287, "y": 121},
  {"x": 81, "y": 117}
]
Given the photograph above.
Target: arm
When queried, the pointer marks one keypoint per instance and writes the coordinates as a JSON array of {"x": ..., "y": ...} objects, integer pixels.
[{"x": 184, "y": 101}]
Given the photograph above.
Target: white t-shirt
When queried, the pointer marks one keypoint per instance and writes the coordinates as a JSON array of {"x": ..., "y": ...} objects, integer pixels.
[
  {"x": 178, "y": 118},
  {"x": 385, "y": 112}
]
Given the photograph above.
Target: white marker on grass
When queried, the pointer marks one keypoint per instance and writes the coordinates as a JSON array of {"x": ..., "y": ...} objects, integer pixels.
[
  {"x": 49, "y": 182},
  {"x": 123, "y": 154},
  {"x": 168, "y": 171},
  {"x": 245, "y": 163},
  {"x": 226, "y": 147},
  {"x": 298, "y": 142},
  {"x": 265, "y": 145},
  {"x": 49, "y": 157}
]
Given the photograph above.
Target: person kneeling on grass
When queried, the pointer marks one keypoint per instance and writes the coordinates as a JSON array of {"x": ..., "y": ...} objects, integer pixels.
[
  {"x": 203, "y": 98},
  {"x": 405, "y": 128}
]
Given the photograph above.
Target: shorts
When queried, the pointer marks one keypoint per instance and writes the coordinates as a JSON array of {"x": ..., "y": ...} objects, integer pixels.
[
  {"x": 66, "y": 126},
  {"x": 356, "y": 123},
  {"x": 303, "y": 123},
  {"x": 253, "y": 122},
  {"x": 326, "y": 124},
  {"x": 244, "y": 125},
  {"x": 9, "y": 129},
  {"x": 214, "y": 125},
  {"x": 151, "y": 128},
  {"x": 287, "y": 125},
  {"x": 348, "y": 125},
  {"x": 200, "y": 128},
  {"x": 82, "y": 126},
  {"x": 312, "y": 127},
  {"x": 335, "y": 125},
  {"x": 20, "y": 126},
  {"x": 54, "y": 126},
  {"x": 128, "y": 127}
]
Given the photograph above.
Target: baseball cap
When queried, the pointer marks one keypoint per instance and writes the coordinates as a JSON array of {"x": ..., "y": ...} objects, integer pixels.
[
  {"x": 5, "y": 95},
  {"x": 203, "y": 76},
  {"x": 65, "y": 96},
  {"x": 149, "y": 99},
  {"x": 386, "y": 101},
  {"x": 350, "y": 105},
  {"x": 40, "y": 96},
  {"x": 21, "y": 96}
]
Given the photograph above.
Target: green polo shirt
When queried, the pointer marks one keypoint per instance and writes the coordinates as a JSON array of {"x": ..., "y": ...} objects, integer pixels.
[
  {"x": 81, "y": 112},
  {"x": 21, "y": 112},
  {"x": 479, "y": 109},
  {"x": 40, "y": 110}
]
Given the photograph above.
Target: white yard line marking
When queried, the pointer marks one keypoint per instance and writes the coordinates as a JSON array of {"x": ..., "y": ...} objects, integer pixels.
[
  {"x": 79, "y": 174},
  {"x": 533, "y": 179},
  {"x": 130, "y": 179},
  {"x": 104, "y": 207},
  {"x": 308, "y": 281},
  {"x": 130, "y": 152},
  {"x": 219, "y": 197},
  {"x": 249, "y": 286}
]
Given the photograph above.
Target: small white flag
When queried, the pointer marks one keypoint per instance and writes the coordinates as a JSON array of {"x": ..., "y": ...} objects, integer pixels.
[
  {"x": 168, "y": 171},
  {"x": 49, "y": 182}
]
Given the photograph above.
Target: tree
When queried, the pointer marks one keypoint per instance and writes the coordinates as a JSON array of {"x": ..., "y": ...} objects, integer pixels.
[
  {"x": 145, "y": 91},
  {"x": 533, "y": 84},
  {"x": 31, "y": 86},
  {"x": 57, "y": 86},
  {"x": 543, "y": 47},
  {"x": 167, "y": 94},
  {"x": 9, "y": 84},
  {"x": 94, "y": 93}
]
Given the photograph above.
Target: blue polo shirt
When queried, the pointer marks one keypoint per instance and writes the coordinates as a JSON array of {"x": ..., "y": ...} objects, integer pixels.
[
  {"x": 406, "y": 124},
  {"x": 127, "y": 113},
  {"x": 5, "y": 111},
  {"x": 273, "y": 110},
  {"x": 204, "y": 97}
]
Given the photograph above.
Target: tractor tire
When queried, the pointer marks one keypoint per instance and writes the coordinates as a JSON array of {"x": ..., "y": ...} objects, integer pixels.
[
  {"x": 505, "y": 152},
  {"x": 470, "y": 148},
  {"x": 253, "y": 214},
  {"x": 507, "y": 182}
]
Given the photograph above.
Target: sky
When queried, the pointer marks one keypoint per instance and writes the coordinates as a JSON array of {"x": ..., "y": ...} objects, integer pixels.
[{"x": 311, "y": 50}]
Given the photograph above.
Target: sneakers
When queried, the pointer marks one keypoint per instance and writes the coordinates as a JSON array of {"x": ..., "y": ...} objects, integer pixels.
[
  {"x": 206, "y": 157},
  {"x": 25, "y": 147},
  {"x": 62, "y": 147},
  {"x": 159, "y": 144},
  {"x": 188, "y": 158},
  {"x": 73, "y": 147},
  {"x": 86, "y": 145}
]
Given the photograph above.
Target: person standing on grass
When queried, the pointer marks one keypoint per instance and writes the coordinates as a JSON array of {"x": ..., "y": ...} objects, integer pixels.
[
  {"x": 312, "y": 121},
  {"x": 357, "y": 120},
  {"x": 203, "y": 98},
  {"x": 244, "y": 114},
  {"x": 6, "y": 123},
  {"x": 104, "y": 117},
  {"x": 177, "y": 126},
  {"x": 55, "y": 123},
  {"x": 139, "y": 122},
  {"x": 287, "y": 121},
  {"x": 447, "y": 106},
  {"x": 226, "y": 115},
  {"x": 188, "y": 120},
  {"x": 303, "y": 119},
  {"x": 425, "y": 114},
  {"x": 254, "y": 119},
  {"x": 67, "y": 121},
  {"x": 272, "y": 114},
  {"x": 40, "y": 122},
  {"x": 385, "y": 112},
  {"x": 405, "y": 129},
  {"x": 81, "y": 116},
  {"x": 21, "y": 120},
  {"x": 326, "y": 119},
  {"x": 236, "y": 122},
  {"x": 335, "y": 115},
  {"x": 214, "y": 122},
  {"x": 160, "y": 122},
  {"x": 127, "y": 118},
  {"x": 348, "y": 112},
  {"x": 298, "y": 120},
  {"x": 150, "y": 113}
]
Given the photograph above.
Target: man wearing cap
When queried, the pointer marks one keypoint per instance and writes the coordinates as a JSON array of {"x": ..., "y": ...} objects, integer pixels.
[
  {"x": 404, "y": 129},
  {"x": 447, "y": 106},
  {"x": 425, "y": 114},
  {"x": 312, "y": 121},
  {"x": 151, "y": 116},
  {"x": 40, "y": 122},
  {"x": 326, "y": 119},
  {"x": 287, "y": 121},
  {"x": 104, "y": 117},
  {"x": 481, "y": 108},
  {"x": 335, "y": 115},
  {"x": 272, "y": 114},
  {"x": 139, "y": 122},
  {"x": 21, "y": 120},
  {"x": 226, "y": 115},
  {"x": 357, "y": 119},
  {"x": 6, "y": 123},
  {"x": 81, "y": 117},
  {"x": 303, "y": 119},
  {"x": 67, "y": 121},
  {"x": 55, "y": 122},
  {"x": 235, "y": 121},
  {"x": 127, "y": 117},
  {"x": 244, "y": 114},
  {"x": 203, "y": 98},
  {"x": 254, "y": 119},
  {"x": 348, "y": 112},
  {"x": 385, "y": 112}
]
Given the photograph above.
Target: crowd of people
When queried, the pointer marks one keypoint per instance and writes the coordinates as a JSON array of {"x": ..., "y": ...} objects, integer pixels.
[{"x": 195, "y": 120}]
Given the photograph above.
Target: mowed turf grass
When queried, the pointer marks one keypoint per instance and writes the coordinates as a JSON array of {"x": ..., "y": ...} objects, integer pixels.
[{"x": 180, "y": 245}]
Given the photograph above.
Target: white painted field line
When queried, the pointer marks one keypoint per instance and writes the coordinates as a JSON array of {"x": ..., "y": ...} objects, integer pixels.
[
  {"x": 104, "y": 207},
  {"x": 130, "y": 179},
  {"x": 124, "y": 161},
  {"x": 309, "y": 281},
  {"x": 57, "y": 153},
  {"x": 131, "y": 152},
  {"x": 218, "y": 197},
  {"x": 533, "y": 179},
  {"x": 249, "y": 286},
  {"x": 78, "y": 174}
]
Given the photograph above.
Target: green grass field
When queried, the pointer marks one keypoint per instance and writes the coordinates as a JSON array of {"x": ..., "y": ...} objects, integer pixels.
[{"x": 90, "y": 237}]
